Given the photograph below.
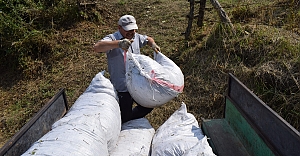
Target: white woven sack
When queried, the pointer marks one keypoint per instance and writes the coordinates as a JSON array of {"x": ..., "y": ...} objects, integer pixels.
[
  {"x": 178, "y": 135},
  {"x": 72, "y": 136},
  {"x": 90, "y": 127},
  {"x": 202, "y": 148},
  {"x": 134, "y": 139},
  {"x": 101, "y": 84},
  {"x": 100, "y": 97},
  {"x": 107, "y": 107},
  {"x": 153, "y": 83}
]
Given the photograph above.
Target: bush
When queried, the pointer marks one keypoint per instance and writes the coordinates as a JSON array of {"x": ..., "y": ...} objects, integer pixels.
[{"x": 26, "y": 27}]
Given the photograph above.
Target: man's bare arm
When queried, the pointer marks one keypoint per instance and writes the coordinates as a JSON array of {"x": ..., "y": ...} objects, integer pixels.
[{"x": 103, "y": 46}]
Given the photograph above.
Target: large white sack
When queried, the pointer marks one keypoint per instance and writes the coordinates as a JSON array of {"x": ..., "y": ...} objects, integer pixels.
[
  {"x": 100, "y": 97},
  {"x": 153, "y": 83},
  {"x": 202, "y": 148},
  {"x": 107, "y": 107},
  {"x": 178, "y": 135},
  {"x": 72, "y": 136},
  {"x": 101, "y": 84},
  {"x": 95, "y": 111},
  {"x": 134, "y": 139}
]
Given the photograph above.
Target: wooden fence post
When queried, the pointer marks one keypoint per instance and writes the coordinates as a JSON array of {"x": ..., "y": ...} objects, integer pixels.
[
  {"x": 191, "y": 17},
  {"x": 201, "y": 13},
  {"x": 222, "y": 14}
]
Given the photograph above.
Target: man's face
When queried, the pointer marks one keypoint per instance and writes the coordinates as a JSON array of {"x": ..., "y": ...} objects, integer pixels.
[{"x": 127, "y": 34}]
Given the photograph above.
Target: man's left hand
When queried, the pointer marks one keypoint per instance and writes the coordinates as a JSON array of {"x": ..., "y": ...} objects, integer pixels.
[{"x": 155, "y": 47}]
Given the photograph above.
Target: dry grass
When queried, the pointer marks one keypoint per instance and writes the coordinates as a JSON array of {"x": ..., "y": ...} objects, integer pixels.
[{"x": 262, "y": 54}]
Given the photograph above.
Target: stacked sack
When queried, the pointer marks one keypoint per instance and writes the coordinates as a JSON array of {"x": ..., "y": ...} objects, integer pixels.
[
  {"x": 134, "y": 139},
  {"x": 91, "y": 126},
  {"x": 180, "y": 135},
  {"x": 153, "y": 83}
]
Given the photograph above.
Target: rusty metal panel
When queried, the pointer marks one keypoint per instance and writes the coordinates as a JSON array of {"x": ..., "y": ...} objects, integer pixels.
[
  {"x": 279, "y": 135},
  {"x": 39, "y": 125}
]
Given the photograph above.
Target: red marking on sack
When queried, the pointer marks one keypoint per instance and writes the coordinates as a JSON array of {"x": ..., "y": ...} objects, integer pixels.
[
  {"x": 161, "y": 82},
  {"x": 125, "y": 57}
]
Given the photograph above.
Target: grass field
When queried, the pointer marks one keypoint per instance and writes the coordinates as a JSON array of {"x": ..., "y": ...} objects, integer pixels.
[{"x": 47, "y": 45}]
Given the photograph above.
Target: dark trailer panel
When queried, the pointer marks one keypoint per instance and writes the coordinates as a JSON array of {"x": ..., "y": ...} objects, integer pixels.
[{"x": 36, "y": 127}]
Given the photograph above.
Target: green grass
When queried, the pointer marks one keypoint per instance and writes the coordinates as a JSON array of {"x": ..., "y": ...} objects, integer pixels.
[{"x": 47, "y": 45}]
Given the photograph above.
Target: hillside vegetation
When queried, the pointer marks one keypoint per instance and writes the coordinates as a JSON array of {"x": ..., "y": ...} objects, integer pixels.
[{"x": 47, "y": 45}]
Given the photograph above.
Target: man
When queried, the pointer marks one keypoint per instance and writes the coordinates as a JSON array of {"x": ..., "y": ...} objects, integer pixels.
[{"x": 116, "y": 45}]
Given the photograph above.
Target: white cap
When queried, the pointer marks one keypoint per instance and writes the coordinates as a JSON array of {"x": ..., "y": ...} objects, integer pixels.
[{"x": 128, "y": 22}]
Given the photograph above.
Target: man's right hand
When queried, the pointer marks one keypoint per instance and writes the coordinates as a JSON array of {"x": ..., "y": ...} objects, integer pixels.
[{"x": 125, "y": 44}]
